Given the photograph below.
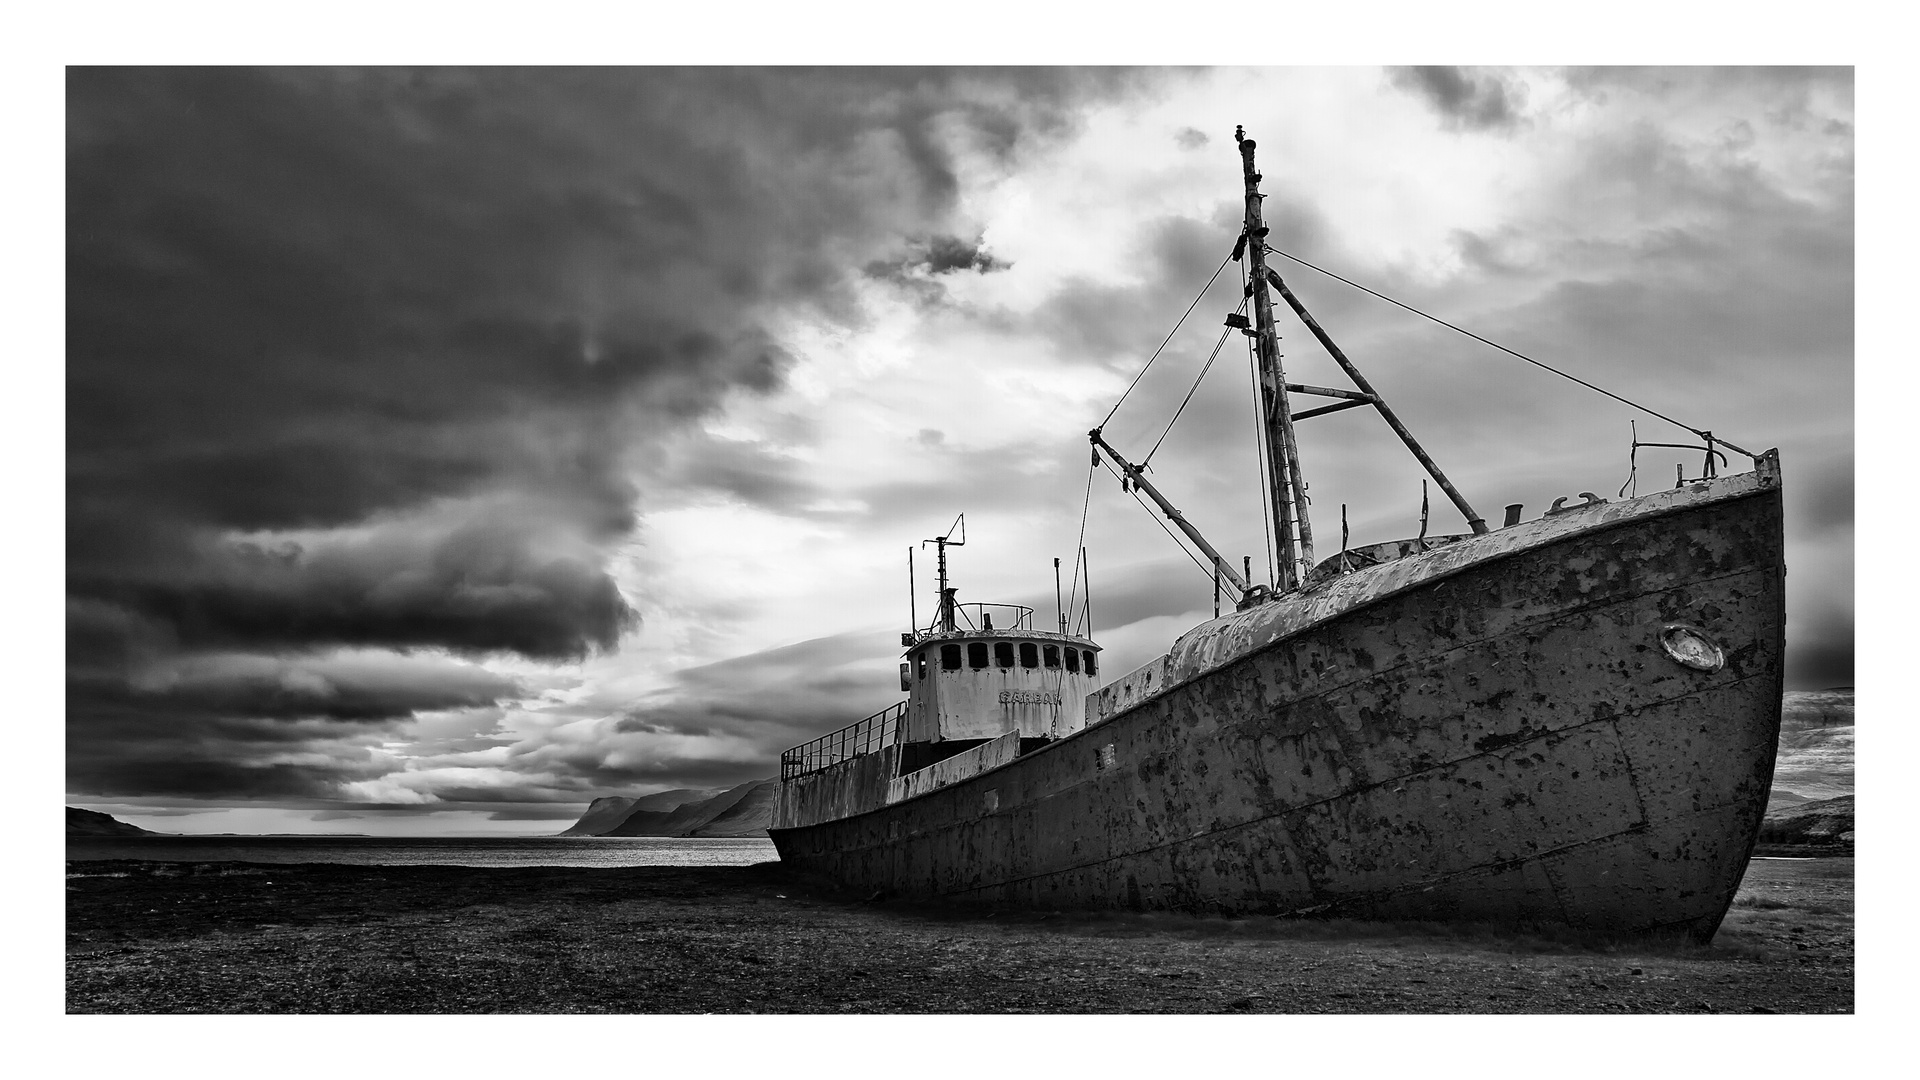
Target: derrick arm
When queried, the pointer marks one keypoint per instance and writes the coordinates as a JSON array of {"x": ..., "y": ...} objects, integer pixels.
[{"x": 1132, "y": 472}]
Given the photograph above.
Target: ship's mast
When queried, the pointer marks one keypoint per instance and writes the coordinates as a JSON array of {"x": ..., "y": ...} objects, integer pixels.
[{"x": 1292, "y": 531}]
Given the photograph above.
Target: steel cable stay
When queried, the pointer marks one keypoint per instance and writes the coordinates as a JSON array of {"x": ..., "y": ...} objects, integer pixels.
[
  {"x": 1080, "y": 546},
  {"x": 1260, "y": 442},
  {"x": 1163, "y": 345},
  {"x": 1709, "y": 437},
  {"x": 1195, "y": 388},
  {"x": 1086, "y": 501}
]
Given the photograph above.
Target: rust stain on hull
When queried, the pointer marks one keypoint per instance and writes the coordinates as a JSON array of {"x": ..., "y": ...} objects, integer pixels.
[{"x": 1502, "y": 739}]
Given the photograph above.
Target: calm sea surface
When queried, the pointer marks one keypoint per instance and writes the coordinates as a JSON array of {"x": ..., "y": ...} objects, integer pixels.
[{"x": 429, "y": 851}]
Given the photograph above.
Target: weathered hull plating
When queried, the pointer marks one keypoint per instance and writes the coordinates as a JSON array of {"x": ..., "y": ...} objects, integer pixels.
[{"x": 1488, "y": 732}]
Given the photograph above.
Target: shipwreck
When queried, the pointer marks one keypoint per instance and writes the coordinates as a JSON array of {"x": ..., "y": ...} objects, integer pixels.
[{"x": 1568, "y": 720}]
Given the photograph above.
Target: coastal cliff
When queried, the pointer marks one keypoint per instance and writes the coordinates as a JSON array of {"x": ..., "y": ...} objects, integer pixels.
[
  {"x": 610, "y": 812},
  {"x": 744, "y": 810},
  {"x": 94, "y": 823}
]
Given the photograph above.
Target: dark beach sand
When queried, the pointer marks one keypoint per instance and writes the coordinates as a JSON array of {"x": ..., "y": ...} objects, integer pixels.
[{"x": 146, "y": 937}]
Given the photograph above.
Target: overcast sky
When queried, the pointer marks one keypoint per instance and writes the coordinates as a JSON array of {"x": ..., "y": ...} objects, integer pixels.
[{"x": 447, "y": 449}]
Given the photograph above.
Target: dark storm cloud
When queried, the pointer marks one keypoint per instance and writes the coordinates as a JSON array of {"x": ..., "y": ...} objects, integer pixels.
[
  {"x": 359, "y": 358},
  {"x": 493, "y": 579},
  {"x": 267, "y": 725},
  {"x": 950, "y": 254},
  {"x": 919, "y": 269},
  {"x": 122, "y": 756},
  {"x": 1464, "y": 97},
  {"x": 365, "y": 687},
  {"x": 301, "y": 298}
]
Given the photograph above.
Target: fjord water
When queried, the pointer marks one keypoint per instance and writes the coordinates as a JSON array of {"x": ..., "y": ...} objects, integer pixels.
[{"x": 584, "y": 851}]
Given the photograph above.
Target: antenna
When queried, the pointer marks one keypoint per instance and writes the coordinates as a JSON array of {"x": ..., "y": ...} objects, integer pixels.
[
  {"x": 1059, "y": 609},
  {"x": 941, "y": 543},
  {"x": 913, "y": 608}
]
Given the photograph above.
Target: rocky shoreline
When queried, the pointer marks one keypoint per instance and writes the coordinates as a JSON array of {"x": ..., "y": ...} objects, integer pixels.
[{"x": 145, "y": 937}]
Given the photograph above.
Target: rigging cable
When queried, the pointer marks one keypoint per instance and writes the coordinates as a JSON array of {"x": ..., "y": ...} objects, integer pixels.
[
  {"x": 1260, "y": 444},
  {"x": 1208, "y": 366},
  {"x": 1163, "y": 344},
  {"x": 1266, "y": 484},
  {"x": 1073, "y": 594},
  {"x": 1710, "y": 438}
]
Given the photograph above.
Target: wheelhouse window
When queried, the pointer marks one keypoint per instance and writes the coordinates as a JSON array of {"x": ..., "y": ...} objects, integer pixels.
[
  {"x": 950, "y": 657},
  {"x": 920, "y": 664},
  {"x": 1003, "y": 653},
  {"x": 977, "y": 654},
  {"x": 1029, "y": 654},
  {"x": 1073, "y": 660},
  {"x": 1092, "y": 668},
  {"x": 1053, "y": 656}
]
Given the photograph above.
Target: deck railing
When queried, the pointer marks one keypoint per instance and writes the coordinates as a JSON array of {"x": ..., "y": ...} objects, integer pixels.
[
  {"x": 987, "y": 618},
  {"x": 875, "y": 732}
]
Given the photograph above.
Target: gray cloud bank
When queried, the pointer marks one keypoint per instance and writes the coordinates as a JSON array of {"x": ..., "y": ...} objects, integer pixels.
[{"x": 1465, "y": 97}]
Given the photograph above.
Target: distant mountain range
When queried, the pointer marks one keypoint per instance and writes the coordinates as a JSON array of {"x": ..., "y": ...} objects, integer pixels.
[
  {"x": 94, "y": 823},
  {"x": 1815, "y": 761},
  {"x": 1824, "y": 824},
  {"x": 745, "y": 810},
  {"x": 1810, "y": 811}
]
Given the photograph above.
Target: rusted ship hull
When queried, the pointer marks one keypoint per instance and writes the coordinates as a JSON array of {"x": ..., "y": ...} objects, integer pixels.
[{"x": 1491, "y": 731}]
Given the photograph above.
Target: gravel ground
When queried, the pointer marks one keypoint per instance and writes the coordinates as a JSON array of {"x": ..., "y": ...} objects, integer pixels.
[{"x": 146, "y": 937}]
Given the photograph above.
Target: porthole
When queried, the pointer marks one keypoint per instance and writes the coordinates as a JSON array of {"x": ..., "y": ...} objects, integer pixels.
[{"x": 1690, "y": 646}]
